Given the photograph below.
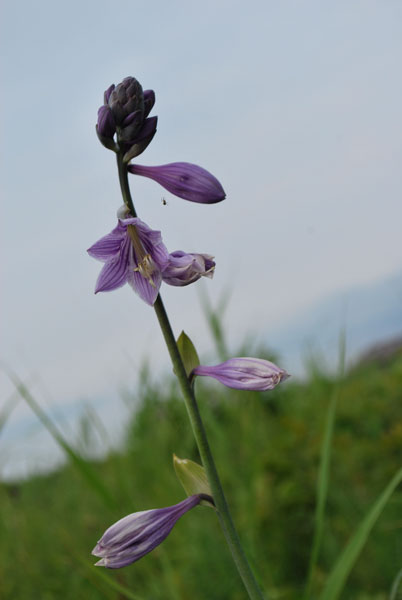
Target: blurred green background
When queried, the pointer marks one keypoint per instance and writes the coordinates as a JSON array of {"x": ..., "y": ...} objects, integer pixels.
[{"x": 267, "y": 447}]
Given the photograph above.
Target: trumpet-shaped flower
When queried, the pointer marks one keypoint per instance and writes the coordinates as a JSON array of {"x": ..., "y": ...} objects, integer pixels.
[
  {"x": 132, "y": 537},
  {"x": 183, "y": 269},
  {"x": 185, "y": 180},
  {"x": 133, "y": 253},
  {"x": 254, "y": 374}
]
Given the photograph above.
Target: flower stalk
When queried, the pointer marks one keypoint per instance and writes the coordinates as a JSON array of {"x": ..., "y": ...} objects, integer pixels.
[{"x": 197, "y": 425}]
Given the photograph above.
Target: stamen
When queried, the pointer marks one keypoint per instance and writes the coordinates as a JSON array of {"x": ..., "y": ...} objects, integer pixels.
[{"x": 146, "y": 265}]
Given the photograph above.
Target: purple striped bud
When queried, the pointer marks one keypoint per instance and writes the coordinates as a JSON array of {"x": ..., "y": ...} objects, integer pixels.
[
  {"x": 254, "y": 374},
  {"x": 183, "y": 269},
  {"x": 185, "y": 180},
  {"x": 132, "y": 537}
]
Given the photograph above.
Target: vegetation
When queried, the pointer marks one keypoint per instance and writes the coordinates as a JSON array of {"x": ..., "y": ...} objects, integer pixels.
[{"x": 268, "y": 448}]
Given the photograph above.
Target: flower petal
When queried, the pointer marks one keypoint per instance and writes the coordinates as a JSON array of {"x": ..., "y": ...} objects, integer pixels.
[
  {"x": 109, "y": 245},
  {"x": 142, "y": 286},
  {"x": 114, "y": 273}
]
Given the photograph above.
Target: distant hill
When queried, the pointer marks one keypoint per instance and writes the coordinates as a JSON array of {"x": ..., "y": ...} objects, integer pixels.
[{"x": 369, "y": 314}]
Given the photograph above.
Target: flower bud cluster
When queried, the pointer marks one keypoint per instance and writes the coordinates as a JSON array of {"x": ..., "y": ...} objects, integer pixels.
[{"x": 125, "y": 113}]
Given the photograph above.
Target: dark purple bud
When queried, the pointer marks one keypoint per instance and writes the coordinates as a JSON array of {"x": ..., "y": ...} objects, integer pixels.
[
  {"x": 253, "y": 374},
  {"x": 143, "y": 139},
  {"x": 108, "y": 142},
  {"x": 131, "y": 118},
  {"x": 125, "y": 99},
  {"x": 125, "y": 111},
  {"x": 185, "y": 180},
  {"x": 131, "y": 126},
  {"x": 107, "y": 93},
  {"x": 149, "y": 101},
  {"x": 106, "y": 126},
  {"x": 136, "y": 535}
]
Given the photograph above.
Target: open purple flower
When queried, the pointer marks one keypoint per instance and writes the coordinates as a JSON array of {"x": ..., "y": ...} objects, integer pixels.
[
  {"x": 133, "y": 253},
  {"x": 132, "y": 537},
  {"x": 254, "y": 374},
  {"x": 185, "y": 180},
  {"x": 183, "y": 269}
]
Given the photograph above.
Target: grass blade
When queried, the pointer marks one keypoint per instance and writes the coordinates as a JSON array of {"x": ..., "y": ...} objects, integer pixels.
[
  {"x": 8, "y": 409},
  {"x": 80, "y": 463},
  {"x": 100, "y": 573},
  {"x": 395, "y": 586},
  {"x": 214, "y": 318},
  {"x": 324, "y": 470},
  {"x": 344, "y": 565}
]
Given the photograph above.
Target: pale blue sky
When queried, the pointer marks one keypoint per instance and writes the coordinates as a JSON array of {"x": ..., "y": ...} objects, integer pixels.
[{"x": 294, "y": 106}]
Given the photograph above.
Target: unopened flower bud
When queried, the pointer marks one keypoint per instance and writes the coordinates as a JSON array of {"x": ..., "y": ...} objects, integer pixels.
[
  {"x": 106, "y": 125},
  {"x": 132, "y": 537},
  {"x": 149, "y": 101},
  {"x": 185, "y": 180},
  {"x": 254, "y": 374},
  {"x": 125, "y": 111},
  {"x": 126, "y": 98},
  {"x": 142, "y": 140}
]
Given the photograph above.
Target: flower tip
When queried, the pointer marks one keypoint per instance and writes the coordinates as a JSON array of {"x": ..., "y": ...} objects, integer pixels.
[{"x": 101, "y": 563}]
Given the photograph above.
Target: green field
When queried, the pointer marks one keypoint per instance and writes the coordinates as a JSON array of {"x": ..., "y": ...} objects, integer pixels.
[{"x": 267, "y": 447}]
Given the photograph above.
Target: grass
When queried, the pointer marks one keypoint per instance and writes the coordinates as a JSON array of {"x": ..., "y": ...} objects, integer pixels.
[{"x": 268, "y": 451}]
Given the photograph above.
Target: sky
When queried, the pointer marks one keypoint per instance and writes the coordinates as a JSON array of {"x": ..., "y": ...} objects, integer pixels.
[{"x": 294, "y": 106}]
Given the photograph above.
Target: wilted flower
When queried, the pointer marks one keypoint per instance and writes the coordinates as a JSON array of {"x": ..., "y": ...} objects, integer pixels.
[
  {"x": 133, "y": 253},
  {"x": 125, "y": 111},
  {"x": 185, "y": 180},
  {"x": 254, "y": 374},
  {"x": 132, "y": 537},
  {"x": 183, "y": 269}
]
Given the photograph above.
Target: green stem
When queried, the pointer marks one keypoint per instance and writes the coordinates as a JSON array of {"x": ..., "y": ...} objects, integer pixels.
[
  {"x": 197, "y": 425},
  {"x": 200, "y": 435},
  {"x": 125, "y": 188}
]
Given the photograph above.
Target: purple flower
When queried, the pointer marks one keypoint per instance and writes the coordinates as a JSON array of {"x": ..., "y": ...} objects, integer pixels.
[
  {"x": 183, "y": 269},
  {"x": 125, "y": 110},
  {"x": 133, "y": 253},
  {"x": 253, "y": 374},
  {"x": 132, "y": 537},
  {"x": 185, "y": 180}
]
